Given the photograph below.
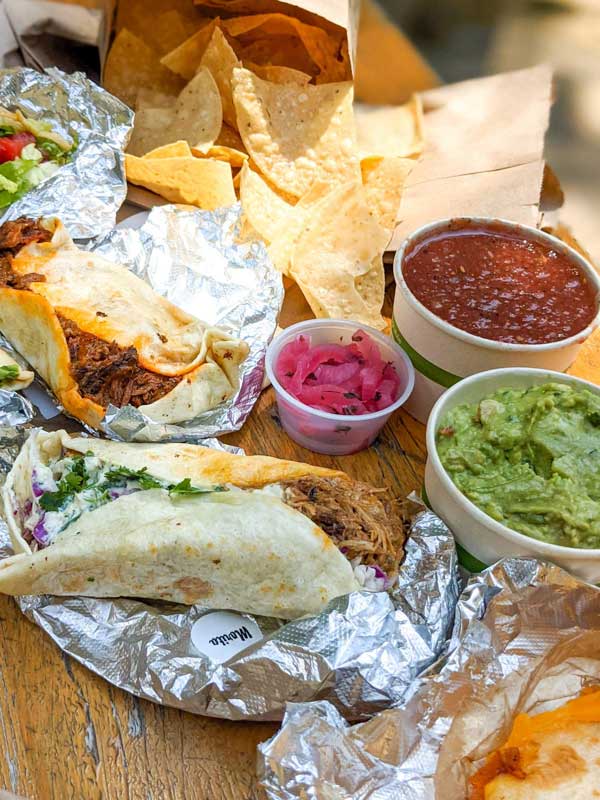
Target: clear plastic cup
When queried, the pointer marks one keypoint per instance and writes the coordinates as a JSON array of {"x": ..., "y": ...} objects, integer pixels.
[{"x": 335, "y": 434}]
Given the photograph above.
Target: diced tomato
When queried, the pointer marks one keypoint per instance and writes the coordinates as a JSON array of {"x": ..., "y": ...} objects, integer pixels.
[{"x": 11, "y": 146}]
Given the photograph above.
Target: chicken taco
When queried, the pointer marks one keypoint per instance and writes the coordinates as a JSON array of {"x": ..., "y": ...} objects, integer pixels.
[{"x": 189, "y": 524}]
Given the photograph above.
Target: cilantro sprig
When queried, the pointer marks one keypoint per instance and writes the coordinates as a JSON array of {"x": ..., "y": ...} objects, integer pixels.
[{"x": 78, "y": 479}]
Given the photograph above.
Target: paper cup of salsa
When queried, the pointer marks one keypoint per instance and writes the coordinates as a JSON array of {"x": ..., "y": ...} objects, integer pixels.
[
  {"x": 337, "y": 383},
  {"x": 513, "y": 468},
  {"x": 474, "y": 294}
]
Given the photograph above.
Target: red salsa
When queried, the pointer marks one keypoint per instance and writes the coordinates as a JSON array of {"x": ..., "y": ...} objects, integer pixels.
[{"x": 498, "y": 285}]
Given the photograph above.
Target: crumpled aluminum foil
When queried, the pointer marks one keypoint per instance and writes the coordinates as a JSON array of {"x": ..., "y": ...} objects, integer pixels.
[
  {"x": 525, "y": 639},
  {"x": 361, "y": 653},
  {"x": 87, "y": 192},
  {"x": 195, "y": 259}
]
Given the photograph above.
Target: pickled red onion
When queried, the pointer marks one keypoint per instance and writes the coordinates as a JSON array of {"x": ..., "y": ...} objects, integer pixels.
[{"x": 348, "y": 379}]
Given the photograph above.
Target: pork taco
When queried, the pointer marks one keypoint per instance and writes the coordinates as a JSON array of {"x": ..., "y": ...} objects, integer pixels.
[
  {"x": 189, "y": 524},
  {"x": 99, "y": 335}
]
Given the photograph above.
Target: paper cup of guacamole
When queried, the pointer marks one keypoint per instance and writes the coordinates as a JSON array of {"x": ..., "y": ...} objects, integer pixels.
[
  {"x": 513, "y": 468},
  {"x": 474, "y": 294}
]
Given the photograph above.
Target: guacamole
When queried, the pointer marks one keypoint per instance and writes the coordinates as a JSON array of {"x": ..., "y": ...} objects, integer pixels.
[{"x": 530, "y": 459}]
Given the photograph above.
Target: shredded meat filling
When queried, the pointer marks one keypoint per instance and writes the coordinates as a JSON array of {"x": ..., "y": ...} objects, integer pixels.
[
  {"x": 362, "y": 521},
  {"x": 13, "y": 236},
  {"x": 108, "y": 373},
  {"x": 105, "y": 372}
]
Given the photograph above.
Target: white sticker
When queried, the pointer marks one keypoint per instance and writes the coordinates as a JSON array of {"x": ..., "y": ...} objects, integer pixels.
[{"x": 221, "y": 634}]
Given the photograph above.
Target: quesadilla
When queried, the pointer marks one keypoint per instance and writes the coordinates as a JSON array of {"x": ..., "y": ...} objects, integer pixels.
[
  {"x": 189, "y": 524},
  {"x": 99, "y": 335},
  {"x": 549, "y": 756}
]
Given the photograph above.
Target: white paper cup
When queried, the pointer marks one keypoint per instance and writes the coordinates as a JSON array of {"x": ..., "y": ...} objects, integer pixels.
[
  {"x": 442, "y": 354},
  {"x": 482, "y": 538}
]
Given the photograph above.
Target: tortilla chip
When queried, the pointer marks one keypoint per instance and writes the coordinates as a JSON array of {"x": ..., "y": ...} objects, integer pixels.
[
  {"x": 384, "y": 179},
  {"x": 179, "y": 149},
  {"x": 196, "y": 181},
  {"x": 185, "y": 59},
  {"x": 138, "y": 18},
  {"x": 195, "y": 118},
  {"x": 337, "y": 260},
  {"x": 297, "y": 134},
  {"x": 322, "y": 48},
  {"x": 132, "y": 65},
  {"x": 264, "y": 208},
  {"x": 228, "y": 154},
  {"x": 149, "y": 98},
  {"x": 587, "y": 363},
  {"x": 284, "y": 51},
  {"x": 277, "y": 74},
  {"x": 220, "y": 59},
  {"x": 287, "y": 233},
  {"x": 228, "y": 137},
  {"x": 391, "y": 130}
]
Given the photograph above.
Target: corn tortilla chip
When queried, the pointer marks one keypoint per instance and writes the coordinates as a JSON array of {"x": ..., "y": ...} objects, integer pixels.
[
  {"x": 264, "y": 208},
  {"x": 284, "y": 51},
  {"x": 277, "y": 74},
  {"x": 168, "y": 30},
  {"x": 384, "y": 179},
  {"x": 220, "y": 59},
  {"x": 289, "y": 230},
  {"x": 337, "y": 260},
  {"x": 391, "y": 130},
  {"x": 185, "y": 59},
  {"x": 322, "y": 48},
  {"x": 149, "y": 98},
  {"x": 297, "y": 134},
  {"x": 179, "y": 149},
  {"x": 228, "y": 154},
  {"x": 195, "y": 117},
  {"x": 196, "y": 181},
  {"x": 132, "y": 65}
]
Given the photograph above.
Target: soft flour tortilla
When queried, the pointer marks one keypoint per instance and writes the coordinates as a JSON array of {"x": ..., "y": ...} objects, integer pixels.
[
  {"x": 243, "y": 550},
  {"x": 109, "y": 301}
]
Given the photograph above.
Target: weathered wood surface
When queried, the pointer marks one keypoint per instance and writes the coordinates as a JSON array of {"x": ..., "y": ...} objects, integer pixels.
[{"x": 66, "y": 734}]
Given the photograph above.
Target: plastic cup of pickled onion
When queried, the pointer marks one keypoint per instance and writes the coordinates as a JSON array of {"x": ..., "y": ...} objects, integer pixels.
[{"x": 337, "y": 383}]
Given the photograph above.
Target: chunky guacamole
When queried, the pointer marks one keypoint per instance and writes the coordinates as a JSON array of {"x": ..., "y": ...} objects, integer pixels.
[{"x": 530, "y": 458}]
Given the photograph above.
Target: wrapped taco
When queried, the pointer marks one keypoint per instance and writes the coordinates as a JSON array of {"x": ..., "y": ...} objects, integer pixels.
[
  {"x": 99, "y": 335},
  {"x": 550, "y": 756},
  {"x": 189, "y": 524}
]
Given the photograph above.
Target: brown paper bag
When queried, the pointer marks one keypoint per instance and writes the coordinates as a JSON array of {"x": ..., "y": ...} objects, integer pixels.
[{"x": 484, "y": 151}]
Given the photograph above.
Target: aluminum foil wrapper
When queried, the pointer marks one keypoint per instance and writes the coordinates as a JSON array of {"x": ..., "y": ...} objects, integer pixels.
[
  {"x": 525, "y": 639},
  {"x": 196, "y": 260},
  {"x": 361, "y": 653},
  {"x": 87, "y": 192}
]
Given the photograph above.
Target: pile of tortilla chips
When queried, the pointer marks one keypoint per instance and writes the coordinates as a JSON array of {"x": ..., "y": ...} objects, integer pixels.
[{"x": 262, "y": 105}]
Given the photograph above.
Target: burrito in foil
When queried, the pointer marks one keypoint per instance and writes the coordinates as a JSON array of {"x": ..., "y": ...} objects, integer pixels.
[
  {"x": 189, "y": 524},
  {"x": 99, "y": 335},
  {"x": 550, "y": 756}
]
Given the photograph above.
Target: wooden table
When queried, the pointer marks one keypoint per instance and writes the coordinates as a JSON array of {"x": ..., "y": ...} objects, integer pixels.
[{"x": 66, "y": 734}]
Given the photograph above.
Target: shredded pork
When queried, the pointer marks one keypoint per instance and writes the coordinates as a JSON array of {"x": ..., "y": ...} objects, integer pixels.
[
  {"x": 363, "y": 522},
  {"x": 107, "y": 373}
]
